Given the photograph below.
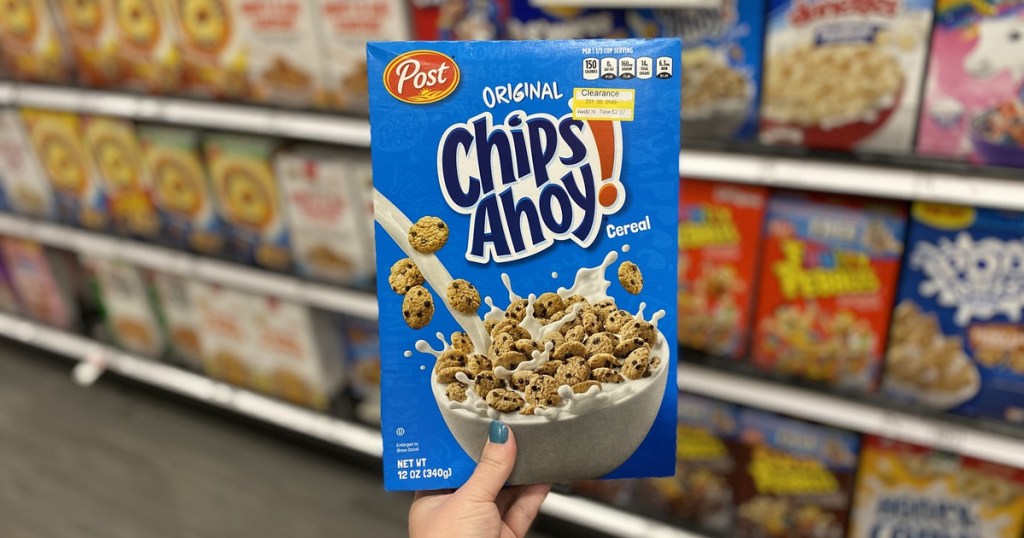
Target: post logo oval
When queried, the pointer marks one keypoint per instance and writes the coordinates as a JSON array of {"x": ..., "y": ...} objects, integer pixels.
[{"x": 421, "y": 77}]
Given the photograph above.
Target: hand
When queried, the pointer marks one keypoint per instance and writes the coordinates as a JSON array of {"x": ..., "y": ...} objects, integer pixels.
[{"x": 482, "y": 507}]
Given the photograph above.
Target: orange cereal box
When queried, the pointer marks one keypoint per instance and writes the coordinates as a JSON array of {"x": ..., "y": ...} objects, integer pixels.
[
  {"x": 719, "y": 237},
  {"x": 91, "y": 27},
  {"x": 828, "y": 279},
  {"x": 31, "y": 43},
  {"x": 213, "y": 48},
  {"x": 148, "y": 49}
]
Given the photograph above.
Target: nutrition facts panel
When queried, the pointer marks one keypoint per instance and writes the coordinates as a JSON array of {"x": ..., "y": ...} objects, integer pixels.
[{"x": 626, "y": 68}]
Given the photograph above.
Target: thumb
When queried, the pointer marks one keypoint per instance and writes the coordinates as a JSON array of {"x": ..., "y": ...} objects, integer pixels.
[{"x": 496, "y": 462}]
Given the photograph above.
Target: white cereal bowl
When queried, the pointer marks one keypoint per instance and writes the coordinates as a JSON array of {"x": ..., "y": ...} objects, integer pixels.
[{"x": 569, "y": 448}]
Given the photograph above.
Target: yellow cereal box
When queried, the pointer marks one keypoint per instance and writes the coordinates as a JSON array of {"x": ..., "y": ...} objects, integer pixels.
[
  {"x": 92, "y": 30},
  {"x": 147, "y": 51},
  {"x": 31, "y": 43},
  {"x": 213, "y": 48}
]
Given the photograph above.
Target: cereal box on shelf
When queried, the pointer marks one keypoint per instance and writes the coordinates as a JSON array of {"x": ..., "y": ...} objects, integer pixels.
[
  {"x": 721, "y": 64},
  {"x": 181, "y": 326},
  {"x": 844, "y": 74},
  {"x": 701, "y": 493},
  {"x": 148, "y": 49},
  {"x": 58, "y": 142},
  {"x": 795, "y": 478},
  {"x": 228, "y": 342},
  {"x": 360, "y": 342},
  {"x": 529, "y": 21},
  {"x": 828, "y": 277},
  {"x": 116, "y": 152},
  {"x": 91, "y": 28},
  {"x": 526, "y": 268},
  {"x": 281, "y": 51},
  {"x": 45, "y": 288},
  {"x": 213, "y": 51},
  {"x": 463, "y": 20},
  {"x": 8, "y": 294},
  {"x": 956, "y": 341},
  {"x": 974, "y": 98},
  {"x": 128, "y": 306},
  {"x": 719, "y": 241},
  {"x": 181, "y": 189},
  {"x": 25, "y": 189},
  {"x": 297, "y": 343},
  {"x": 909, "y": 490},
  {"x": 248, "y": 198},
  {"x": 32, "y": 44},
  {"x": 343, "y": 28},
  {"x": 330, "y": 234}
]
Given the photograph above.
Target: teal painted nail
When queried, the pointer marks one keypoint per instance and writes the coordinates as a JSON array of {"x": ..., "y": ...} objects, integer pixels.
[{"x": 499, "y": 432}]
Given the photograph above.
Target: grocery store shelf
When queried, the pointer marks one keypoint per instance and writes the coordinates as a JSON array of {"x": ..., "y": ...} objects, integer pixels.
[
  {"x": 318, "y": 126},
  {"x": 629, "y": 3},
  {"x": 851, "y": 415},
  {"x": 335, "y": 431},
  {"x": 333, "y": 298}
]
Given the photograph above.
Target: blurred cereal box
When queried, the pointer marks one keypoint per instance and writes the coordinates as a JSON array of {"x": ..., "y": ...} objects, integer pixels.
[
  {"x": 828, "y": 278},
  {"x": 181, "y": 190},
  {"x": 526, "y": 255},
  {"x": 528, "y": 21},
  {"x": 974, "y": 99},
  {"x": 118, "y": 157},
  {"x": 44, "y": 282},
  {"x": 32, "y": 43},
  {"x": 956, "y": 341},
  {"x": 909, "y": 490},
  {"x": 179, "y": 318},
  {"x": 228, "y": 339},
  {"x": 8, "y": 294},
  {"x": 844, "y": 74},
  {"x": 343, "y": 28},
  {"x": 91, "y": 27},
  {"x": 148, "y": 48},
  {"x": 722, "y": 50},
  {"x": 248, "y": 198},
  {"x": 128, "y": 304},
  {"x": 330, "y": 238},
  {"x": 282, "y": 56},
  {"x": 795, "y": 478},
  {"x": 719, "y": 241},
  {"x": 459, "y": 20},
  {"x": 213, "y": 48},
  {"x": 25, "y": 188},
  {"x": 57, "y": 138},
  {"x": 360, "y": 341}
]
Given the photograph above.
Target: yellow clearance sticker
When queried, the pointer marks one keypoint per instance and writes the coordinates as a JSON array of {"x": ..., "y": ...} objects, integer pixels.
[{"x": 603, "y": 104}]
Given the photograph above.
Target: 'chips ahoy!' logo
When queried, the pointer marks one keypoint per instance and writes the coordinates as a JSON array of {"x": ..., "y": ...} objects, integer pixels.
[{"x": 530, "y": 181}]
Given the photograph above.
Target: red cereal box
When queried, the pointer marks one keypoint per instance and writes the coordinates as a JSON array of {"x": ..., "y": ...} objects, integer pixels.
[
  {"x": 830, "y": 266},
  {"x": 719, "y": 235}
]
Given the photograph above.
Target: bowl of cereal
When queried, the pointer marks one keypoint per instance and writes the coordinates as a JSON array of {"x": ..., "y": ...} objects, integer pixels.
[
  {"x": 588, "y": 385},
  {"x": 997, "y": 134}
]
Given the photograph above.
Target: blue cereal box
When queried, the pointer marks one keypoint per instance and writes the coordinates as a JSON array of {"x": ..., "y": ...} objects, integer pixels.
[
  {"x": 526, "y": 228},
  {"x": 957, "y": 338}
]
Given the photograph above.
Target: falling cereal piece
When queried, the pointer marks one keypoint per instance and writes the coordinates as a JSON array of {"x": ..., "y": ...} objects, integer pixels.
[
  {"x": 418, "y": 307},
  {"x": 428, "y": 235},
  {"x": 630, "y": 278},
  {"x": 463, "y": 296}
]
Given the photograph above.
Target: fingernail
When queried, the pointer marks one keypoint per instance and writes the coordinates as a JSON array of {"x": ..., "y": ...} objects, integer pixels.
[{"x": 499, "y": 432}]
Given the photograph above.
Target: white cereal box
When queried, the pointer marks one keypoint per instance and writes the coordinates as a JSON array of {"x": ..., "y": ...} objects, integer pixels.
[
  {"x": 25, "y": 190},
  {"x": 228, "y": 340},
  {"x": 179, "y": 318},
  {"x": 128, "y": 306}
]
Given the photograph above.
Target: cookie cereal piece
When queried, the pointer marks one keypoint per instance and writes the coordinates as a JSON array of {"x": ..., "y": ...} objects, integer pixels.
[
  {"x": 509, "y": 360},
  {"x": 548, "y": 368},
  {"x": 556, "y": 338},
  {"x": 485, "y": 382},
  {"x": 461, "y": 342},
  {"x": 628, "y": 345},
  {"x": 636, "y": 363},
  {"x": 631, "y": 278},
  {"x": 450, "y": 358},
  {"x": 429, "y": 234},
  {"x": 604, "y": 308},
  {"x": 504, "y": 400},
  {"x": 591, "y": 323},
  {"x": 572, "y": 300},
  {"x": 529, "y": 410},
  {"x": 511, "y": 327},
  {"x": 477, "y": 363},
  {"x": 569, "y": 349},
  {"x": 417, "y": 307},
  {"x": 490, "y": 324},
  {"x": 527, "y": 346},
  {"x": 602, "y": 360},
  {"x": 576, "y": 334},
  {"x": 519, "y": 379},
  {"x": 542, "y": 390},
  {"x": 602, "y": 342},
  {"x": 616, "y": 320},
  {"x": 456, "y": 392},
  {"x": 517, "y": 310},
  {"x": 605, "y": 375},
  {"x": 574, "y": 371},
  {"x": 404, "y": 275},
  {"x": 447, "y": 375},
  {"x": 640, "y": 329},
  {"x": 547, "y": 305},
  {"x": 501, "y": 343},
  {"x": 463, "y": 296},
  {"x": 584, "y": 386}
]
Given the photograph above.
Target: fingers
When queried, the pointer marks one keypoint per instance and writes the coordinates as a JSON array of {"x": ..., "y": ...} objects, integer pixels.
[
  {"x": 431, "y": 493},
  {"x": 524, "y": 510},
  {"x": 496, "y": 462}
]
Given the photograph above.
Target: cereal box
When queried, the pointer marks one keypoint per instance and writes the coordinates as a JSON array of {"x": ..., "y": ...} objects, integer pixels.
[
  {"x": 179, "y": 318},
  {"x": 128, "y": 305},
  {"x": 213, "y": 48},
  {"x": 957, "y": 342},
  {"x": 360, "y": 341},
  {"x": 827, "y": 284},
  {"x": 45, "y": 288},
  {"x": 148, "y": 50},
  {"x": 719, "y": 239},
  {"x": 844, "y": 74},
  {"x": 461, "y": 20},
  {"x": 330, "y": 236},
  {"x": 248, "y": 198},
  {"x": 701, "y": 493},
  {"x": 908, "y": 490},
  {"x": 80, "y": 193},
  {"x": 282, "y": 57},
  {"x": 721, "y": 64},
  {"x": 343, "y": 28},
  {"x": 974, "y": 100},
  {"x": 8, "y": 295},
  {"x": 522, "y": 219},
  {"x": 528, "y": 21},
  {"x": 228, "y": 340},
  {"x": 25, "y": 189},
  {"x": 795, "y": 478},
  {"x": 32, "y": 44},
  {"x": 115, "y": 150},
  {"x": 303, "y": 363},
  {"x": 181, "y": 190},
  {"x": 91, "y": 28}
]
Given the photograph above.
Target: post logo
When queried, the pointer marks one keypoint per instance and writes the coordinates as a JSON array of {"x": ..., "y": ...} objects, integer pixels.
[{"x": 421, "y": 77}]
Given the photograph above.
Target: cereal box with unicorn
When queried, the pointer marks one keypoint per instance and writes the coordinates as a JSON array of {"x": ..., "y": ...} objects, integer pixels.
[
  {"x": 974, "y": 98},
  {"x": 526, "y": 229}
]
